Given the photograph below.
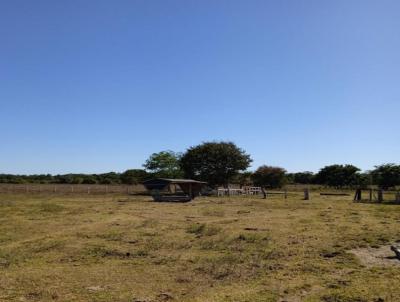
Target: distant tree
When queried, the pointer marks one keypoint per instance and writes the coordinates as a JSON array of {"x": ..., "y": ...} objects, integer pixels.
[
  {"x": 109, "y": 178},
  {"x": 338, "y": 176},
  {"x": 89, "y": 179},
  {"x": 64, "y": 179},
  {"x": 76, "y": 179},
  {"x": 269, "y": 177},
  {"x": 290, "y": 178},
  {"x": 363, "y": 180},
  {"x": 386, "y": 176},
  {"x": 303, "y": 177},
  {"x": 164, "y": 164},
  {"x": 13, "y": 179},
  {"x": 243, "y": 178},
  {"x": 134, "y": 176},
  {"x": 214, "y": 162},
  {"x": 38, "y": 178}
]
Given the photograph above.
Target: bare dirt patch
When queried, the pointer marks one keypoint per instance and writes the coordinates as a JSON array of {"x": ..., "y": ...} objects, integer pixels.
[{"x": 381, "y": 256}]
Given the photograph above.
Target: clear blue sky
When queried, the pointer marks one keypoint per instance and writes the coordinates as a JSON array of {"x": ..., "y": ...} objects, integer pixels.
[{"x": 96, "y": 86}]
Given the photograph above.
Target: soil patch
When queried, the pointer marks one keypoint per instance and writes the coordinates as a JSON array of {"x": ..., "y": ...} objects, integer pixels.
[{"x": 381, "y": 256}]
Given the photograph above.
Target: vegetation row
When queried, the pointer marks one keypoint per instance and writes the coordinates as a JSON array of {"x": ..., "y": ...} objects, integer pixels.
[{"x": 222, "y": 163}]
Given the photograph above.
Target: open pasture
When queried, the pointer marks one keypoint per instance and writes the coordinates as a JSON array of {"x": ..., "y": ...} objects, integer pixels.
[{"x": 128, "y": 248}]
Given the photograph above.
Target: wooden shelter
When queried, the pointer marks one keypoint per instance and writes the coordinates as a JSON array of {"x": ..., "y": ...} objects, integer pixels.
[{"x": 167, "y": 189}]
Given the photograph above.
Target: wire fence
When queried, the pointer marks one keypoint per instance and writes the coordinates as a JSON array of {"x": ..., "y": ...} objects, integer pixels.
[{"x": 71, "y": 188}]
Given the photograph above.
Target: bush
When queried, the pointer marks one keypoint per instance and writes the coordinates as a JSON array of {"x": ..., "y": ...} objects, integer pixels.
[{"x": 271, "y": 177}]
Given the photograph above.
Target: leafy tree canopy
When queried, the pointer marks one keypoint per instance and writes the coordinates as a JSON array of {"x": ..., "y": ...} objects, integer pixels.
[
  {"x": 271, "y": 177},
  {"x": 214, "y": 162},
  {"x": 386, "y": 176},
  {"x": 302, "y": 177},
  {"x": 338, "y": 175},
  {"x": 134, "y": 176},
  {"x": 164, "y": 164},
  {"x": 243, "y": 178}
]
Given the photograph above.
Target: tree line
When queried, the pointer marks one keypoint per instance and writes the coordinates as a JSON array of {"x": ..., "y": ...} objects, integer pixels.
[{"x": 222, "y": 163}]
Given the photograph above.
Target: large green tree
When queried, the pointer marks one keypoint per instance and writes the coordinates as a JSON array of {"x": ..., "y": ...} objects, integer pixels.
[
  {"x": 338, "y": 175},
  {"x": 164, "y": 164},
  {"x": 386, "y": 176},
  {"x": 269, "y": 177},
  {"x": 214, "y": 162}
]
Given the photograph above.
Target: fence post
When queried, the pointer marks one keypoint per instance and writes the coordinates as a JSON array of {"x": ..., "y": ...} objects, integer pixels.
[
  {"x": 357, "y": 196},
  {"x": 380, "y": 195},
  {"x": 264, "y": 192},
  {"x": 370, "y": 194},
  {"x": 306, "y": 194},
  {"x": 285, "y": 193},
  {"x": 398, "y": 197}
]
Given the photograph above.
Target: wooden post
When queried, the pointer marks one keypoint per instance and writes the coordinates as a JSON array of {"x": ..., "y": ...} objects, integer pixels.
[
  {"x": 370, "y": 194},
  {"x": 306, "y": 194},
  {"x": 88, "y": 190},
  {"x": 190, "y": 191},
  {"x": 380, "y": 195},
  {"x": 72, "y": 189},
  {"x": 264, "y": 193},
  {"x": 398, "y": 197},
  {"x": 285, "y": 194},
  {"x": 357, "y": 195},
  {"x": 106, "y": 189}
]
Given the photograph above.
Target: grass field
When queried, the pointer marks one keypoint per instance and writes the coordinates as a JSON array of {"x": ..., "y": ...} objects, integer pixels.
[{"x": 126, "y": 248}]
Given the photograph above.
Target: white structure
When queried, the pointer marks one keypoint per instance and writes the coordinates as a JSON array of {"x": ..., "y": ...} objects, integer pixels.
[{"x": 242, "y": 191}]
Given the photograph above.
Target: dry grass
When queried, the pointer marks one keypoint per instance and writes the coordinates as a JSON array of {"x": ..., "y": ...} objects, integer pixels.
[{"x": 119, "y": 248}]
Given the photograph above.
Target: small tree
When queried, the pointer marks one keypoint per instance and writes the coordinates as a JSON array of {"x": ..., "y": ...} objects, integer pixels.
[
  {"x": 269, "y": 177},
  {"x": 134, "y": 176},
  {"x": 338, "y": 175},
  {"x": 164, "y": 164},
  {"x": 214, "y": 162},
  {"x": 386, "y": 176}
]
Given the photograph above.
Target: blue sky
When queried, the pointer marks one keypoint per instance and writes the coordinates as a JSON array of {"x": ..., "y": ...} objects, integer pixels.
[{"x": 96, "y": 86}]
